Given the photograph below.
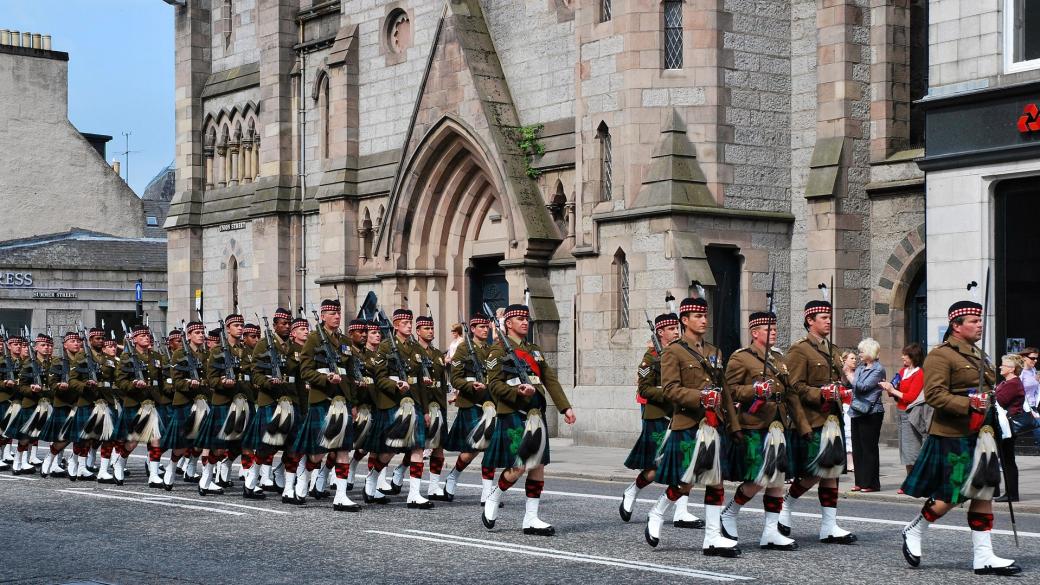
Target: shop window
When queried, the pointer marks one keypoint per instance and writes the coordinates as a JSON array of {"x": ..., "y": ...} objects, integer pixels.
[
  {"x": 1021, "y": 35},
  {"x": 14, "y": 319}
]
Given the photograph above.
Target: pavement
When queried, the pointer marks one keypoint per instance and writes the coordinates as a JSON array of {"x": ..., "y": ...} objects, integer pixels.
[{"x": 53, "y": 531}]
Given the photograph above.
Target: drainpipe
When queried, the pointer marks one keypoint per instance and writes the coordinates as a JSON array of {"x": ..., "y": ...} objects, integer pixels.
[{"x": 301, "y": 116}]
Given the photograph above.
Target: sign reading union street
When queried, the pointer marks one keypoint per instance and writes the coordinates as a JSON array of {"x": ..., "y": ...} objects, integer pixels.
[
  {"x": 227, "y": 227},
  {"x": 13, "y": 279}
]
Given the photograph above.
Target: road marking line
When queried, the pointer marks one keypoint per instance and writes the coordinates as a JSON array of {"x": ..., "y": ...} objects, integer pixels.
[
  {"x": 156, "y": 502},
  {"x": 563, "y": 555},
  {"x": 18, "y": 478},
  {"x": 217, "y": 502},
  {"x": 799, "y": 514},
  {"x": 696, "y": 572}
]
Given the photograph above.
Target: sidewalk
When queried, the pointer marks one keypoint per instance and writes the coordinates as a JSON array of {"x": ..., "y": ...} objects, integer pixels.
[{"x": 607, "y": 464}]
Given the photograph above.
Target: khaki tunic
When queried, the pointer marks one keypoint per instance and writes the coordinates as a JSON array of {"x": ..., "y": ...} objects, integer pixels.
[
  {"x": 243, "y": 375},
  {"x": 684, "y": 375},
  {"x": 463, "y": 377},
  {"x": 386, "y": 375},
  {"x": 744, "y": 370},
  {"x": 812, "y": 367},
  {"x": 183, "y": 393},
  {"x": 154, "y": 376},
  {"x": 950, "y": 370},
  {"x": 648, "y": 384},
  {"x": 504, "y": 390},
  {"x": 315, "y": 374}
]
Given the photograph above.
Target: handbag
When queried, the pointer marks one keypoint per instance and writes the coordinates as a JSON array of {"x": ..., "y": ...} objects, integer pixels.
[
  {"x": 919, "y": 414},
  {"x": 1022, "y": 423}
]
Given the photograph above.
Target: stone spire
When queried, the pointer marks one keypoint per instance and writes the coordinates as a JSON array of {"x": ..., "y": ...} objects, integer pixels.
[{"x": 674, "y": 177}]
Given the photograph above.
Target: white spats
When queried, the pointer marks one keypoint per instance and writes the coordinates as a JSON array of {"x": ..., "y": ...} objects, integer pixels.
[
  {"x": 729, "y": 520},
  {"x": 452, "y": 481},
  {"x": 771, "y": 537},
  {"x": 532, "y": 523},
  {"x": 398, "y": 479},
  {"x": 984, "y": 561},
  {"x": 655, "y": 519},
  {"x": 382, "y": 484},
  {"x": 682, "y": 518},
  {"x": 104, "y": 475},
  {"x": 415, "y": 498},
  {"x": 118, "y": 468},
  {"x": 434, "y": 490},
  {"x": 715, "y": 544},
  {"x": 372, "y": 493},
  {"x": 342, "y": 503},
  {"x": 252, "y": 477},
  {"x": 289, "y": 487},
  {"x": 171, "y": 473},
  {"x": 628, "y": 501},
  {"x": 486, "y": 485},
  {"x": 913, "y": 536},
  {"x": 830, "y": 532},
  {"x": 154, "y": 480},
  {"x": 490, "y": 513},
  {"x": 784, "y": 525},
  {"x": 302, "y": 483}
]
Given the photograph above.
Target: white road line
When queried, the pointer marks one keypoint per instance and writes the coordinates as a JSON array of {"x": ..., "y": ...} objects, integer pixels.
[
  {"x": 798, "y": 514},
  {"x": 153, "y": 501},
  {"x": 208, "y": 501},
  {"x": 18, "y": 478},
  {"x": 563, "y": 555}
]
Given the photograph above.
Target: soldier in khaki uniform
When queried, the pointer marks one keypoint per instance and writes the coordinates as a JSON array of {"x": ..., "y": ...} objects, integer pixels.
[
  {"x": 357, "y": 331},
  {"x": 65, "y": 398},
  {"x": 436, "y": 403},
  {"x": 274, "y": 395},
  {"x": 656, "y": 412},
  {"x": 815, "y": 376},
  {"x": 469, "y": 378},
  {"x": 512, "y": 448},
  {"x": 189, "y": 385},
  {"x": 10, "y": 367},
  {"x": 759, "y": 387},
  {"x": 692, "y": 377},
  {"x": 140, "y": 392},
  {"x": 36, "y": 391},
  {"x": 963, "y": 423}
]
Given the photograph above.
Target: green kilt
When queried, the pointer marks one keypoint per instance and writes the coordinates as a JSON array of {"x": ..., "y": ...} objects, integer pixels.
[
  {"x": 175, "y": 419},
  {"x": 79, "y": 422},
  {"x": 420, "y": 432},
  {"x": 254, "y": 437},
  {"x": 800, "y": 453},
  {"x": 209, "y": 430},
  {"x": 505, "y": 442},
  {"x": 942, "y": 468},
  {"x": 644, "y": 453},
  {"x": 308, "y": 437},
  {"x": 676, "y": 457},
  {"x": 745, "y": 457},
  {"x": 465, "y": 421},
  {"x": 52, "y": 429},
  {"x": 373, "y": 442},
  {"x": 124, "y": 423}
]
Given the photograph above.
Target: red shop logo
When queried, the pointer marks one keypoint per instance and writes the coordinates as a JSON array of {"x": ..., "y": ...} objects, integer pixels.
[{"x": 1030, "y": 119}]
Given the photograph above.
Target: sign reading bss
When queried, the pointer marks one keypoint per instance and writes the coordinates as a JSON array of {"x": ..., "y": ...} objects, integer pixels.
[{"x": 16, "y": 279}]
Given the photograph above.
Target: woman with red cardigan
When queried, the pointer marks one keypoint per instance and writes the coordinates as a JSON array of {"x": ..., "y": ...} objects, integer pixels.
[
  {"x": 1010, "y": 395},
  {"x": 905, "y": 388}
]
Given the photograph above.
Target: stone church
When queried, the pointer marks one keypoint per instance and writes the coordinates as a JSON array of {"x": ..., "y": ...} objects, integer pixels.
[{"x": 599, "y": 154}]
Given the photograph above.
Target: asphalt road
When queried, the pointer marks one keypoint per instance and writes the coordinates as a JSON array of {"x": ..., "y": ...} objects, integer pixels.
[{"x": 56, "y": 531}]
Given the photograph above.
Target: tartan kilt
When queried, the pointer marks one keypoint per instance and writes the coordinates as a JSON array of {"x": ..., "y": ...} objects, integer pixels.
[
  {"x": 308, "y": 437},
  {"x": 505, "y": 442},
  {"x": 745, "y": 457},
  {"x": 420, "y": 432},
  {"x": 52, "y": 429},
  {"x": 209, "y": 429},
  {"x": 373, "y": 442},
  {"x": 4, "y": 406},
  {"x": 253, "y": 439},
  {"x": 175, "y": 419},
  {"x": 942, "y": 468},
  {"x": 444, "y": 425},
  {"x": 19, "y": 421},
  {"x": 79, "y": 422},
  {"x": 800, "y": 453},
  {"x": 644, "y": 453},
  {"x": 466, "y": 420},
  {"x": 124, "y": 422}
]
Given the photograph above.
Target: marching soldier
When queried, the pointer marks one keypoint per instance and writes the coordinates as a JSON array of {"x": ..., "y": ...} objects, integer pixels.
[
  {"x": 277, "y": 404},
  {"x": 519, "y": 379},
  {"x": 703, "y": 414},
  {"x": 474, "y": 401},
  {"x": 190, "y": 395},
  {"x": 284, "y": 474},
  {"x": 656, "y": 410},
  {"x": 436, "y": 401},
  {"x": 818, "y": 452},
  {"x": 951, "y": 468},
  {"x": 92, "y": 414},
  {"x": 110, "y": 365},
  {"x": 140, "y": 381},
  {"x": 400, "y": 422},
  {"x": 10, "y": 367},
  {"x": 66, "y": 398},
  {"x": 36, "y": 394},
  {"x": 357, "y": 331},
  {"x": 329, "y": 426},
  {"x": 759, "y": 386}
]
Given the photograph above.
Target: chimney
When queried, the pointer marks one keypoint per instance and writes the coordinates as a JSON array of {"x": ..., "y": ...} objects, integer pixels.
[
  {"x": 46, "y": 42},
  {"x": 115, "y": 166},
  {"x": 37, "y": 41},
  {"x": 5, "y": 36},
  {"x": 16, "y": 39}
]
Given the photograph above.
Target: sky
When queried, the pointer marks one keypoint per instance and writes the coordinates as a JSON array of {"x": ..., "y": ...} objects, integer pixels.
[{"x": 120, "y": 72}]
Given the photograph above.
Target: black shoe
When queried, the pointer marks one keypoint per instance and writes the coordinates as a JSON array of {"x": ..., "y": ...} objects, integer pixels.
[
  {"x": 395, "y": 488},
  {"x": 226, "y": 484},
  {"x": 273, "y": 488},
  {"x": 726, "y": 534},
  {"x": 120, "y": 482},
  {"x": 44, "y": 475},
  {"x": 649, "y": 538},
  {"x": 1006, "y": 571},
  {"x": 847, "y": 539},
  {"x": 373, "y": 500},
  {"x": 157, "y": 485},
  {"x": 500, "y": 505},
  {"x": 440, "y": 497},
  {"x": 728, "y": 553},
  {"x": 785, "y": 530},
  {"x": 626, "y": 515},
  {"x": 489, "y": 524},
  {"x": 698, "y": 524},
  {"x": 350, "y": 487},
  {"x": 911, "y": 559},
  {"x": 167, "y": 486},
  {"x": 293, "y": 500},
  {"x": 346, "y": 508},
  {"x": 74, "y": 478},
  {"x": 547, "y": 531},
  {"x": 106, "y": 480},
  {"x": 787, "y": 547},
  {"x": 253, "y": 495},
  {"x": 209, "y": 492},
  {"x": 427, "y": 505},
  {"x": 314, "y": 493}
]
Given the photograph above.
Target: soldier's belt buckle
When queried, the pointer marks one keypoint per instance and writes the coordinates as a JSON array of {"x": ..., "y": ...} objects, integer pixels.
[
  {"x": 169, "y": 380},
  {"x": 341, "y": 371},
  {"x": 412, "y": 380},
  {"x": 513, "y": 381},
  {"x": 106, "y": 385},
  {"x": 325, "y": 371},
  {"x": 471, "y": 379},
  {"x": 246, "y": 377},
  {"x": 292, "y": 379},
  {"x": 155, "y": 382},
  {"x": 534, "y": 379}
]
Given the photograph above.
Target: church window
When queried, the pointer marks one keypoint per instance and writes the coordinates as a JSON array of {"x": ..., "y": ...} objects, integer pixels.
[
  {"x": 604, "y": 10},
  {"x": 606, "y": 162},
  {"x": 673, "y": 34},
  {"x": 621, "y": 273}
]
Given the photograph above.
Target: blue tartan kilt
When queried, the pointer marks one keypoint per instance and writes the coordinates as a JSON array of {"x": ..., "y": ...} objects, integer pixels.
[
  {"x": 505, "y": 442},
  {"x": 209, "y": 429},
  {"x": 644, "y": 453},
  {"x": 175, "y": 419},
  {"x": 420, "y": 432},
  {"x": 373, "y": 442},
  {"x": 52, "y": 428},
  {"x": 79, "y": 422},
  {"x": 308, "y": 437},
  {"x": 124, "y": 422},
  {"x": 466, "y": 420},
  {"x": 678, "y": 452},
  {"x": 18, "y": 422},
  {"x": 4, "y": 406},
  {"x": 744, "y": 459},
  {"x": 254, "y": 437},
  {"x": 800, "y": 453},
  {"x": 942, "y": 469},
  {"x": 444, "y": 425}
]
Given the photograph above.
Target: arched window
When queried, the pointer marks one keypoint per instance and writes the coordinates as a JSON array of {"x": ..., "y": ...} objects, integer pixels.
[
  {"x": 226, "y": 19},
  {"x": 673, "y": 34},
  {"x": 622, "y": 277},
  {"x": 604, "y": 10},
  {"x": 322, "y": 96},
  {"x": 605, "y": 163},
  {"x": 233, "y": 283}
]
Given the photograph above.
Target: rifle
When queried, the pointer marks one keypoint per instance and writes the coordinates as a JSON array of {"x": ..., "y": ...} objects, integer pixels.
[
  {"x": 231, "y": 363},
  {"x": 273, "y": 355},
  {"x": 523, "y": 371},
  {"x": 478, "y": 366},
  {"x": 92, "y": 368},
  {"x": 395, "y": 351},
  {"x": 424, "y": 360},
  {"x": 769, "y": 327},
  {"x": 135, "y": 362},
  {"x": 327, "y": 349},
  {"x": 9, "y": 368},
  {"x": 653, "y": 333}
]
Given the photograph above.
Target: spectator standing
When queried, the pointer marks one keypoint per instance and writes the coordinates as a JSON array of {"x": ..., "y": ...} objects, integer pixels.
[
  {"x": 1010, "y": 396},
  {"x": 867, "y": 414},
  {"x": 905, "y": 388},
  {"x": 1032, "y": 386}
]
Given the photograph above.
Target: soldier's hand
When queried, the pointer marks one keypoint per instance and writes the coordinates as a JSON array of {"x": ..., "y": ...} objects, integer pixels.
[
  {"x": 478, "y": 386},
  {"x": 193, "y": 383},
  {"x": 526, "y": 390},
  {"x": 275, "y": 380},
  {"x": 568, "y": 416},
  {"x": 228, "y": 382},
  {"x": 140, "y": 384},
  {"x": 764, "y": 389},
  {"x": 63, "y": 386},
  {"x": 91, "y": 383},
  {"x": 403, "y": 386},
  {"x": 35, "y": 387},
  {"x": 710, "y": 398},
  {"x": 979, "y": 401},
  {"x": 426, "y": 419},
  {"x": 9, "y": 383},
  {"x": 335, "y": 378},
  {"x": 427, "y": 381}
]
